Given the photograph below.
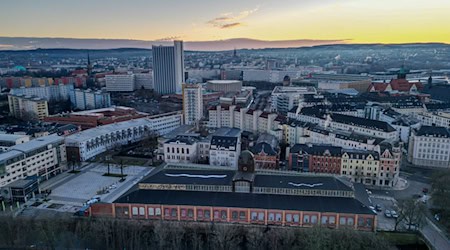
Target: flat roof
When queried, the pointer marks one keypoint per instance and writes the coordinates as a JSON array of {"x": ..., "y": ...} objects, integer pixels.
[
  {"x": 246, "y": 200},
  {"x": 29, "y": 146},
  {"x": 224, "y": 81},
  {"x": 11, "y": 137}
]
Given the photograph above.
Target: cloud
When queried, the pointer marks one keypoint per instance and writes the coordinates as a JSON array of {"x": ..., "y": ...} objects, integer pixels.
[
  {"x": 230, "y": 25},
  {"x": 230, "y": 20}
]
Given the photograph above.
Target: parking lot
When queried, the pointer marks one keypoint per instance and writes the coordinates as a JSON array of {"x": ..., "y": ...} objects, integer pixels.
[{"x": 384, "y": 223}]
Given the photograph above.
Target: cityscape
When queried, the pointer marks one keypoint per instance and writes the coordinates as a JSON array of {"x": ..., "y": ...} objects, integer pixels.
[{"x": 224, "y": 138}]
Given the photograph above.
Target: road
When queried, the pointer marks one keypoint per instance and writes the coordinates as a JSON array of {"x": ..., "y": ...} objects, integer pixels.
[
  {"x": 435, "y": 236},
  {"x": 417, "y": 180}
]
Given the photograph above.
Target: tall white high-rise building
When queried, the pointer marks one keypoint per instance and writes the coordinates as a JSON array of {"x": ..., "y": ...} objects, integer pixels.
[
  {"x": 168, "y": 68},
  {"x": 192, "y": 103}
]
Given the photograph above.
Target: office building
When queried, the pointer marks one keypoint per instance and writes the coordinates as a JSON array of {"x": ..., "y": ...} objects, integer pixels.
[
  {"x": 88, "y": 99},
  {"x": 97, "y": 117},
  {"x": 120, "y": 83},
  {"x": 9, "y": 140},
  {"x": 430, "y": 147},
  {"x": 91, "y": 142},
  {"x": 284, "y": 98},
  {"x": 438, "y": 119},
  {"x": 192, "y": 103},
  {"x": 27, "y": 107},
  {"x": 168, "y": 68},
  {"x": 44, "y": 157},
  {"x": 58, "y": 92},
  {"x": 224, "y": 86},
  {"x": 143, "y": 80}
]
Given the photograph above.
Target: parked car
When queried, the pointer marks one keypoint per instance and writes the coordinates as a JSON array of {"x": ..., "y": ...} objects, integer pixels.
[
  {"x": 437, "y": 217},
  {"x": 394, "y": 214},
  {"x": 387, "y": 213},
  {"x": 378, "y": 208},
  {"x": 412, "y": 227},
  {"x": 97, "y": 197}
]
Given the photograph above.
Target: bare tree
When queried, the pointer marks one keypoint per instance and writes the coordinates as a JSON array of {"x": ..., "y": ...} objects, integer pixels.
[{"x": 412, "y": 212}]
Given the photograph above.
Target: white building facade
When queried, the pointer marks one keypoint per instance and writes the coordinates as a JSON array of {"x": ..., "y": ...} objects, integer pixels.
[
  {"x": 168, "y": 68},
  {"x": 430, "y": 147},
  {"x": 120, "y": 83},
  {"x": 192, "y": 103},
  {"x": 44, "y": 157},
  {"x": 91, "y": 142}
]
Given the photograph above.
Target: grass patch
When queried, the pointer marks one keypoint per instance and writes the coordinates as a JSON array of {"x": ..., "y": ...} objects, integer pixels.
[
  {"x": 74, "y": 171},
  {"x": 114, "y": 175},
  {"x": 400, "y": 238}
]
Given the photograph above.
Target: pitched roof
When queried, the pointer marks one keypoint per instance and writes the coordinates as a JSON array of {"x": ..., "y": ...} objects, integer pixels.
[
  {"x": 263, "y": 148},
  {"x": 247, "y": 200},
  {"x": 433, "y": 131},
  {"x": 363, "y": 122}
]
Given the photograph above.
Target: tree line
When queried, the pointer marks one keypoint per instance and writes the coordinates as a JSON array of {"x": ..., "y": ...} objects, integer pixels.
[{"x": 86, "y": 233}]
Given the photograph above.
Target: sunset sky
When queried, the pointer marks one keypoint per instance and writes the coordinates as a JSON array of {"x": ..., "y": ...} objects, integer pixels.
[{"x": 359, "y": 21}]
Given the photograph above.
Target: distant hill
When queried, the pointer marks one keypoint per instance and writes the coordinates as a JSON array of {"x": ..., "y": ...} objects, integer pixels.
[{"x": 29, "y": 43}]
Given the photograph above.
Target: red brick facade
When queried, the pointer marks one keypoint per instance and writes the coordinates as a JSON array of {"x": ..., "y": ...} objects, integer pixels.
[{"x": 235, "y": 215}]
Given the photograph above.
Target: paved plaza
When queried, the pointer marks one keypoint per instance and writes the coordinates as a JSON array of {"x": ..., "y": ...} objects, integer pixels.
[{"x": 76, "y": 189}]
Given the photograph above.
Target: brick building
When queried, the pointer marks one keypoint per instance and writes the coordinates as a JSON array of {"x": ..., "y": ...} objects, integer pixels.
[{"x": 198, "y": 193}]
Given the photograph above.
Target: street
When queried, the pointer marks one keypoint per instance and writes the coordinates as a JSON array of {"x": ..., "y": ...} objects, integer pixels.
[{"x": 417, "y": 180}]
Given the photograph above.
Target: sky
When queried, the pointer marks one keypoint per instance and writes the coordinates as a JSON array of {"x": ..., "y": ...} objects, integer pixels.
[{"x": 357, "y": 21}]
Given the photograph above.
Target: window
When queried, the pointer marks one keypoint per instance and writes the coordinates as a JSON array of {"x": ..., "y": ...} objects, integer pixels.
[
  {"x": 296, "y": 218},
  {"x": 134, "y": 211},
  {"x": 332, "y": 220},
  {"x": 261, "y": 216},
  {"x": 142, "y": 211},
  {"x": 254, "y": 215},
  {"x": 207, "y": 214},
  {"x": 234, "y": 215},
  {"x": 187, "y": 151},
  {"x": 151, "y": 211},
  {"x": 173, "y": 212},
  {"x": 183, "y": 212},
  {"x": 271, "y": 216},
  {"x": 342, "y": 221},
  {"x": 190, "y": 213},
  {"x": 306, "y": 219},
  {"x": 278, "y": 216},
  {"x": 324, "y": 220},
  {"x": 200, "y": 214},
  {"x": 314, "y": 219},
  {"x": 350, "y": 222},
  {"x": 158, "y": 211},
  {"x": 216, "y": 214},
  {"x": 242, "y": 215},
  {"x": 288, "y": 217}
]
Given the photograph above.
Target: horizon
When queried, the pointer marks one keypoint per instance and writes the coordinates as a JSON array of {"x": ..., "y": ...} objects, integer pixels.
[{"x": 358, "y": 22}]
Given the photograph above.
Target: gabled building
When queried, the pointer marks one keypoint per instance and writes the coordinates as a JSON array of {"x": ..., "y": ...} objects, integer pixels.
[
  {"x": 361, "y": 166},
  {"x": 225, "y": 149},
  {"x": 266, "y": 152}
]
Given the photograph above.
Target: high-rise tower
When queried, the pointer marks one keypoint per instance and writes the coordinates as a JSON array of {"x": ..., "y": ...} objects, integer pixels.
[
  {"x": 168, "y": 68},
  {"x": 192, "y": 103}
]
